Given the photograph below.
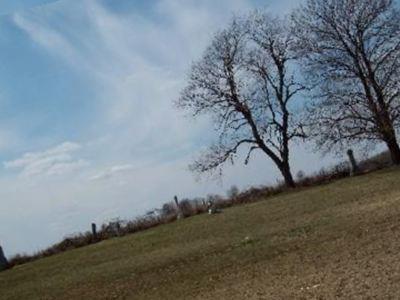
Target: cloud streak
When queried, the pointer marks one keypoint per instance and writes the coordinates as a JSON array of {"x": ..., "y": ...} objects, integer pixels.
[
  {"x": 112, "y": 172},
  {"x": 55, "y": 161}
]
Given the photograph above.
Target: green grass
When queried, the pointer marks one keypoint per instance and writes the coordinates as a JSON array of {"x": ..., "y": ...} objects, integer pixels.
[{"x": 335, "y": 241}]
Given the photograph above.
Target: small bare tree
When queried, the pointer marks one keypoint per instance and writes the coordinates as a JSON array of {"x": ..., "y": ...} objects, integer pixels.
[
  {"x": 233, "y": 192},
  {"x": 245, "y": 81},
  {"x": 351, "y": 51}
]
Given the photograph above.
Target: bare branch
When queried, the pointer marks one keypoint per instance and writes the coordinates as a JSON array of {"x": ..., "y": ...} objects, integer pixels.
[
  {"x": 351, "y": 50},
  {"x": 245, "y": 82}
]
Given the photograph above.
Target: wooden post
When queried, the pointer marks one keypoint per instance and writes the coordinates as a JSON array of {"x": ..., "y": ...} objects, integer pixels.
[
  {"x": 94, "y": 230},
  {"x": 353, "y": 164},
  {"x": 118, "y": 228},
  {"x": 3, "y": 261}
]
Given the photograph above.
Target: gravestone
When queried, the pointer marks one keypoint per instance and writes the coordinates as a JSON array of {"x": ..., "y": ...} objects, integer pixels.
[
  {"x": 94, "y": 230},
  {"x": 353, "y": 164},
  {"x": 179, "y": 210},
  {"x": 212, "y": 208},
  {"x": 3, "y": 260}
]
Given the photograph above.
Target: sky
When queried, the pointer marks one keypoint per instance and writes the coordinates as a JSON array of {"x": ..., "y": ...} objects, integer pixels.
[{"x": 88, "y": 130}]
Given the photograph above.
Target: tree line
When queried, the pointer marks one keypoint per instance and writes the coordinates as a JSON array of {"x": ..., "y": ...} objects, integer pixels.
[{"x": 328, "y": 73}]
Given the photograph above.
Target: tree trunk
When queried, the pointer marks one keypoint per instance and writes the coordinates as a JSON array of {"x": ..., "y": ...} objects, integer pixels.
[
  {"x": 287, "y": 175},
  {"x": 394, "y": 150},
  {"x": 3, "y": 261}
]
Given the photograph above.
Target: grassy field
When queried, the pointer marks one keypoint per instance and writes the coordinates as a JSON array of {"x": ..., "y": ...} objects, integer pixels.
[{"x": 338, "y": 241}]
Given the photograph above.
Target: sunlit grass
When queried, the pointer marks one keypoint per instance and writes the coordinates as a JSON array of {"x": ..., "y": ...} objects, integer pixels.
[{"x": 274, "y": 249}]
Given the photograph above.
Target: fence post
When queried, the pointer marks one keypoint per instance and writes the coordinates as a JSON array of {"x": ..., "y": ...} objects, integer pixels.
[
  {"x": 3, "y": 261},
  {"x": 353, "y": 164},
  {"x": 118, "y": 228},
  {"x": 94, "y": 230}
]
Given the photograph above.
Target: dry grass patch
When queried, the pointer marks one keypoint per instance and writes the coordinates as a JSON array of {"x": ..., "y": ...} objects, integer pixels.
[{"x": 335, "y": 241}]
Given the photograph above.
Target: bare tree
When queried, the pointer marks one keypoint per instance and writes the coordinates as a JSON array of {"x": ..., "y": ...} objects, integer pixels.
[
  {"x": 246, "y": 83},
  {"x": 351, "y": 51}
]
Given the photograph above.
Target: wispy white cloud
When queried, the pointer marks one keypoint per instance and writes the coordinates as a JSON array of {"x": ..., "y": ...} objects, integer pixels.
[
  {"x": 136, "y": 64},
  {"x": 47, "y": 37},
  {"x": 58, "y": 160},
  {"x": 113, "y": 171}
]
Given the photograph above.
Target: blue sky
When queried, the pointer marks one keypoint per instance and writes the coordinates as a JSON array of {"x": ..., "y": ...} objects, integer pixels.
[
  {"x": 10, "y": 6},
  {"x": 88, "y": 131}
]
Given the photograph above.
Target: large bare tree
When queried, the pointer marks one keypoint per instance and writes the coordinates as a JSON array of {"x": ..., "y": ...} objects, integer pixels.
[
  {"x": 246, "y": 83},
  {"x": 351, "y": 51}
]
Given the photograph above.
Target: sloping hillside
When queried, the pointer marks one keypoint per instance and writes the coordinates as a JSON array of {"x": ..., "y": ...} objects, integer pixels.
[{"x": 336, "y": 241}]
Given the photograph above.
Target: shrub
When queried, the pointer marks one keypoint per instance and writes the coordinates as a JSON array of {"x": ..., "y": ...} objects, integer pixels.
[{"x": 233, "y": 192}]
